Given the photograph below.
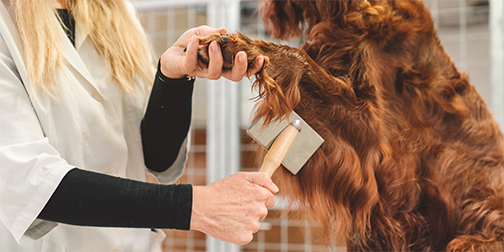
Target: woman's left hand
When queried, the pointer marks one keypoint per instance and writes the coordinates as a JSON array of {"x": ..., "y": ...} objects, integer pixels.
[{"x": 175, "y": 63}]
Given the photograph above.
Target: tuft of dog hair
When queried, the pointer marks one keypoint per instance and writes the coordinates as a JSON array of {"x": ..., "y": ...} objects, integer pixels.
[{"x": 413, "y": 159}]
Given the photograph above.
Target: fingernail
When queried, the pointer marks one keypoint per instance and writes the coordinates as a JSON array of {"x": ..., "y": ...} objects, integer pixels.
[
  {"x": 260, "y": 61},
  {"x": 242, "y": 58},
  {"x": 275, "y": 188},
  {"x": 214, "y": 47},
  {"x": 193, "y": 39}
]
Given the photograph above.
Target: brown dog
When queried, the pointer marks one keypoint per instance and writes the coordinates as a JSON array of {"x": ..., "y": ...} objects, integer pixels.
[{"x": 412, "y": 159}]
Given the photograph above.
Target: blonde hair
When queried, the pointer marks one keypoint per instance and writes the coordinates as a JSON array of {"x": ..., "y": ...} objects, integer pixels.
[{"x": 111, "y": 28}]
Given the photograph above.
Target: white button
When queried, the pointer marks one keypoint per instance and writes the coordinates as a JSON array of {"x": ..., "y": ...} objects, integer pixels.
[
  {"x": 112, "y": 171},
  {"x": 97, "y": 97}
]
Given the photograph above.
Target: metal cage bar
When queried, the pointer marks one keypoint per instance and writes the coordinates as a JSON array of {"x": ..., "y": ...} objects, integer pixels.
[{"x": 497, "y": 59}]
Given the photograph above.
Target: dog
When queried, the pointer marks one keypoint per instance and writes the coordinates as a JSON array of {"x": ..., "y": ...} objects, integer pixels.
[{"x": 413, "y": 159}]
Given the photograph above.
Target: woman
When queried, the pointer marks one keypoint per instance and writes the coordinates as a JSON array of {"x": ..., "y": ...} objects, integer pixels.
[{"x": 80, "y": 124}]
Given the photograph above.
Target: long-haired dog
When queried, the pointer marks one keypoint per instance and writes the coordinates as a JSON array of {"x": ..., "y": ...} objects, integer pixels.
[{"x": 412, "y": 159}]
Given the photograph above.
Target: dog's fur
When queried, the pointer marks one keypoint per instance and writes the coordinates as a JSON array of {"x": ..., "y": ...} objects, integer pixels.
[{"x": 412, "y": 159}]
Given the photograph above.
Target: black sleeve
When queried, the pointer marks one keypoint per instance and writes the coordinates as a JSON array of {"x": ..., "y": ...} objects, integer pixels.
[
  {"x": 166, "y": 121},
  {"x": 88, "y": 198}
]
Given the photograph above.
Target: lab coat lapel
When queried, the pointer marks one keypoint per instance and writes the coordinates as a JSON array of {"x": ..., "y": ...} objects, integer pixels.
[
  {"x": 80, "y": 36},
  {"x": 72, "y": 56}
]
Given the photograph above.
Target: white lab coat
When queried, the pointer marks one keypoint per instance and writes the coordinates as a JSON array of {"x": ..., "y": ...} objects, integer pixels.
[{"x": 92, "y": 125}]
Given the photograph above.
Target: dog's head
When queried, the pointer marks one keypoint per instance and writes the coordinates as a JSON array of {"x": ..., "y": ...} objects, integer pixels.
[
  {"x": 286, "y": 19},
  {"x": 289, "y": 19},
  {"x": 329, "y": 27}
]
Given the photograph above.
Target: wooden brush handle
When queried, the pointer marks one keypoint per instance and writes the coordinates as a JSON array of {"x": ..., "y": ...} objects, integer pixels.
[{"x": 278, "y": 149}]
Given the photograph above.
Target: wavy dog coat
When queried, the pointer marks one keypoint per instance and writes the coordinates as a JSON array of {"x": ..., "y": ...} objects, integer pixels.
[{"x": 412, "y": 159}]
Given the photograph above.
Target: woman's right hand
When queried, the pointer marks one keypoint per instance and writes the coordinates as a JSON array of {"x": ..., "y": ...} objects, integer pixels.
[{"x": 231, "y": 209}]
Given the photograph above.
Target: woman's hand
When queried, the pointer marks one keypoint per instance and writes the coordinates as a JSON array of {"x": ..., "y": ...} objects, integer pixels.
[
  {"x": 231, "y": 209},
  {"x": 175, "y": 63}
]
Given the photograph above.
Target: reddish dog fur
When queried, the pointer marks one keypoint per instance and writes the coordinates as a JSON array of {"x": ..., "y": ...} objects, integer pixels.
[{"x": 412, "y": 159}]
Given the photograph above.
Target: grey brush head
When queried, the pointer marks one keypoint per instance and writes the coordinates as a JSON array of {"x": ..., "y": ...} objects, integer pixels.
[{"x": 305, "y": 144}]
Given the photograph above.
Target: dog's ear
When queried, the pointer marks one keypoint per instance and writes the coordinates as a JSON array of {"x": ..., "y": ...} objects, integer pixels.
[
  {"x": 283, "y": 19},
  {"x": 291, "y": 18}
]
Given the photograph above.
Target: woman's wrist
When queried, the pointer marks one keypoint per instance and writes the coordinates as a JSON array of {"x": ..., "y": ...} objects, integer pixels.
[
  {"x": 197, "y": 218},
  {"x": 170, "y": 77},
  {"x": 166, "y": 71}
]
